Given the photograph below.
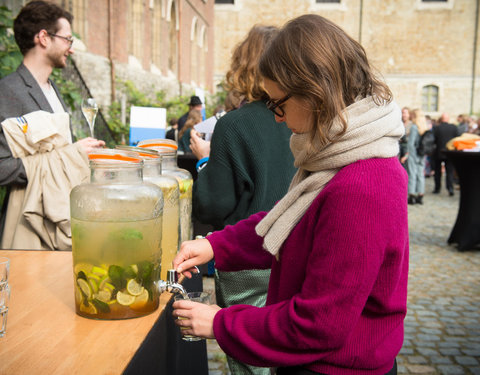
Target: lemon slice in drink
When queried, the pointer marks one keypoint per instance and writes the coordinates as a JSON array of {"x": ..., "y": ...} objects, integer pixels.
[
  {"x": 125, "y": 299},
  {"x": 99, "y": 271},
  {"x": 85, "y": 267},
  {"x": 85, "y": 287},
  {"x": 134, "y": 288},
  {"x": 78, "y": 295},
  {"x": 103, "y": 295},
  {"x": 140, "y": 300},
  {"x": 90, "y": 309}
]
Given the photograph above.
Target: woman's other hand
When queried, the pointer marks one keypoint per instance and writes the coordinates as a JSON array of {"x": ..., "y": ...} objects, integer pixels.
[
  {"x": 199, "y": 147},
  {"x": 191, "y": 254},
  {"x": 89, "y": 144},
  {"x": 197, "y": 318}
]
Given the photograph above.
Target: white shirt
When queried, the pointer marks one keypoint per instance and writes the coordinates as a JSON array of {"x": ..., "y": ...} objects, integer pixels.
[{"x": 53, "y": 100}]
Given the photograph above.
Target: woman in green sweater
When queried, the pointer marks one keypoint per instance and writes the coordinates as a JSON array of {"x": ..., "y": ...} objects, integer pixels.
[{"x": 247, "y": 168}]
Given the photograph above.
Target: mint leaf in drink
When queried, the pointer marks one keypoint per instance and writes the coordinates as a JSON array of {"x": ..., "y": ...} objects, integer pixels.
[
  {"x": 101, "y": 306},
  {"x": 116, "y": 275}
]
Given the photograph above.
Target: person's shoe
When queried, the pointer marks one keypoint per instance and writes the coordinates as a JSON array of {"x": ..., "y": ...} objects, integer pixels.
[
  {"x": 451, "y": 193},
  {"x": 419, "y": 199},
  {"x": 436, "y": 191},
  {"x": 411, "y": 199}
]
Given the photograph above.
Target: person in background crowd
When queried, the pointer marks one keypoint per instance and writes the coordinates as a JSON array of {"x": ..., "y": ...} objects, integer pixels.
[
  {"x": 404, "y": 140},
  {"x": 43, "y": 33},
  {"x": 474, "y": 126},
  {"x": 194, "y": 117},
  {"x": 172, "y": 133},
  {"x": 337, "y": 242},
  {"x": 195, "y": 103},
  {"x": 443, "y": 132},
  {"x": 247, "y": 170},
  {"x": 463, "y": 121},
  {"x": 416, "y": 162},
  {"x": 429, "y": 166}
]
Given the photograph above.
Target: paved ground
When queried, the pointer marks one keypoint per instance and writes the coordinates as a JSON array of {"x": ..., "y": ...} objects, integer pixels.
[{"x": 442, "y": 327}]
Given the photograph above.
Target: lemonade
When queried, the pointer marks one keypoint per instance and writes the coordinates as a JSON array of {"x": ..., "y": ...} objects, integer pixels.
[
  {"x": 170, "y": 226},
  {"x": 116, "y": 265},
  {"x": 185, "y": 209}
]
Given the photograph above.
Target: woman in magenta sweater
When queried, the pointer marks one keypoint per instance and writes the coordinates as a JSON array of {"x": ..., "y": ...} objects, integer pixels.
[{"x": 337, "y": 243}]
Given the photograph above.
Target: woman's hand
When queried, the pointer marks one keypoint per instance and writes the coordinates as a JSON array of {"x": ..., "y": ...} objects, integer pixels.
[
  {"x": 199, "y": 147},
  {"x": 191, "y": 254},
  {"x": 89, "y": 144},
  {"x": 197, "y": 318}
]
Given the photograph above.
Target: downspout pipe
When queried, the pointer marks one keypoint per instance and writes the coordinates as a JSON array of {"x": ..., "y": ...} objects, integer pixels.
[
  {"x": 474, "y": 62},
  {"x": 110, "y": 50},
  {"x": 360, "y": 23},
  {"x": 179, "y": 46}
]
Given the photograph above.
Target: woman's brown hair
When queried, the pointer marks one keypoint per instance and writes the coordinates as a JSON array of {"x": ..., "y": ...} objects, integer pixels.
[
  {"x": 315, "y": 60},
  {"x": 244, "y": 79},
  {"x": 194, "y": 117}
]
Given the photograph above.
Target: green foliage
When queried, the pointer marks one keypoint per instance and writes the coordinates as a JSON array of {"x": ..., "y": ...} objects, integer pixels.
[
  {"x": 70, "y": 92},
  {"x": 10, "y": 56}
]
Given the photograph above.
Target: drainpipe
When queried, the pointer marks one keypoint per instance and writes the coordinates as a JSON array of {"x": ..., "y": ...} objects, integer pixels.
[
  {"x": 360, "y": 22},
  {"x": 179, "y": 54},
  {"x": 472, "y": 96},
  {"x": 110, "y": 50}
]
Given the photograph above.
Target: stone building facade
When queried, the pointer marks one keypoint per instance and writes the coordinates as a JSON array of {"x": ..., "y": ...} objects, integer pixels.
[
  {"x": 157, "y": 44},
  {"x": 427, "y": 51}
]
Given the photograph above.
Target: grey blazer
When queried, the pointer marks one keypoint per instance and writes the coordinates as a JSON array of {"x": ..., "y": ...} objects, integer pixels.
[{"x": 19, "y": 94}]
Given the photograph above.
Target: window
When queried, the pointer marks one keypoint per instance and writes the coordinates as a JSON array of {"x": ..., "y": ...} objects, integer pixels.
[
  {"x": 435, "y": 1},
  {"x": 327, "y": 1},
  {"x": 224, "y": 2},
  {"x": 172, "y": 40},
  {"x": 157, "y": 33},
  {"x": 78, "y": 9},
  {"x": 430, "y": 98},
  {"x": 135, "y": 40}
]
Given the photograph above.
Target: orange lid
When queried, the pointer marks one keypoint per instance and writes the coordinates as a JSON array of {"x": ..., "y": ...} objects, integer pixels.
[{"x": 111, "y": 155}]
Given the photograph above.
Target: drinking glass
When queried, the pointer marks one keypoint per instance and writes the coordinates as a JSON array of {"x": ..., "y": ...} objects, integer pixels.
[
  {"x": 4, "y": 293},
  {"x": 89, "y": 110},
  {"x": 202, "y": 297}
]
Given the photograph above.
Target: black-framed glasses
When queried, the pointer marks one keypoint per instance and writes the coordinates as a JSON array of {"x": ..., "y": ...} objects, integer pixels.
[
  {"x": 68, "y": 39},
  {"x": 274, "y": 105}
]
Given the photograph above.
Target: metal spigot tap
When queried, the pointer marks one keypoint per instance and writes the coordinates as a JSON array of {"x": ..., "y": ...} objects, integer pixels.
[{"x": 171, "y": 284}]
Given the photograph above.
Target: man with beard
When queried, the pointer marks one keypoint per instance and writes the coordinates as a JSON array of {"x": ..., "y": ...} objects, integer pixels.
[{"x": 43, "y": 34}]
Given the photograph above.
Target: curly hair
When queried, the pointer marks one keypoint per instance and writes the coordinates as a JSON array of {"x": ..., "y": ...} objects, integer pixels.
[
  {"x": 34, "y": 17},
  {"x": 244, "y": 79},
  {"x": 315, "y": 60}
]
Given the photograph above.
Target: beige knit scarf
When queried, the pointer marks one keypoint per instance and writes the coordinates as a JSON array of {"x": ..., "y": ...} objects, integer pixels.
[{"x": 373, "y": 132}]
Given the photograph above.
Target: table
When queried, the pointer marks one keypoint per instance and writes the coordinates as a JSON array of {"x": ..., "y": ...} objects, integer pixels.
[
  {"x": 466, "y": 231},
  {"x": 45, "y": 335}
]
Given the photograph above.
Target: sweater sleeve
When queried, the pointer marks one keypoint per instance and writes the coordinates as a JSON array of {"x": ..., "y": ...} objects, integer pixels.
[
  {"x": 350, "y": 235},
  {"x": 238, "y": 247}
]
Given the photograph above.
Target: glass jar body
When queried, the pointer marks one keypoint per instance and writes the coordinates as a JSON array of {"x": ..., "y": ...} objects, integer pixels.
[
  {"x": 116, "y": 243},
  {"x": 171, "y": 213}
]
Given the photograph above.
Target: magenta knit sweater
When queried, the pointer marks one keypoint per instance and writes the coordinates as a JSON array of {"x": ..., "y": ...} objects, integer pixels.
[{"x": 338, "y": 296}]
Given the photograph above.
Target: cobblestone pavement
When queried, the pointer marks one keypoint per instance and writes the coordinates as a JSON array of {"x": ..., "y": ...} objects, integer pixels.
[{"x": 442, "y": 327}]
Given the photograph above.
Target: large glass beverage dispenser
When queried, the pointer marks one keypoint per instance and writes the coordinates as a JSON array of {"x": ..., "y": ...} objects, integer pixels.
[
  {"x": 152, "y": 172},
  {"x": 168, "y": 149},
  {"x": 116, "y": 238}
]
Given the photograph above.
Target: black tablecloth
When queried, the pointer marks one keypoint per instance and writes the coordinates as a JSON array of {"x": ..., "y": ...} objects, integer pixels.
[
  {"x": 163, "y": 351},
  {"x": 466, "y": 232}
]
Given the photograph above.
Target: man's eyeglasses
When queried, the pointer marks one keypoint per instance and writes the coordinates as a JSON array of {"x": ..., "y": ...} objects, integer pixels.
[
  {"x": 274, "y": 105},
  {"x": 68, "y": 39}
]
